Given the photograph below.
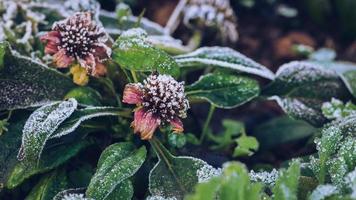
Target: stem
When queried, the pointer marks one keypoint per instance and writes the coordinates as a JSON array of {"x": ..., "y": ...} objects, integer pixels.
[
  {"x": 207, "y": 122},
  {"x": 173, "y": 20},
  {"x": 134, "y": 76}
]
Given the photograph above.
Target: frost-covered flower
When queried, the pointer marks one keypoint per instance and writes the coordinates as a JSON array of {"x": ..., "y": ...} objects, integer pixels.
[
  {"x": 78, "y": 38},
  {"x": 212, "y": 13},
  {"x": 161, "y": 100}
]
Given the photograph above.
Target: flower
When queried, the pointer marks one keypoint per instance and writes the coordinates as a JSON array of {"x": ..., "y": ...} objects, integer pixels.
[
  {"x": 160, "y": 100},
  {"x": 212, "y": 13},
  {"x": 78, "y": 38}
]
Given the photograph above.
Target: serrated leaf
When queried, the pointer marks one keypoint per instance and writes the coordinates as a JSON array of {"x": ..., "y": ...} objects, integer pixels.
[
  {"x": 51, "y": 159},
  {"x": 223, "y": 90},
  {"x": 223, "y": 57},
  {"x": 27, "y": 83},
  {"x": 117, "y": 163},
  {"x": 233, "y": 183},
  {"x": 40, "y": 126},
  {"x": 49, "y": 186},
  {"x": 246, "y": 146},
  {"x": 287, "y": 183},
  {"x": 281, "y": 130},
  {"x": 175, "y": 177},
  {"x": 132, "y": 51},
  {"x": 300, "y": 88}
]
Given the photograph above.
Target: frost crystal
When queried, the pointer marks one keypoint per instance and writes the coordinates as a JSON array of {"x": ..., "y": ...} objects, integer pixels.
[
  {"x": 268, "y": 178},
  {"x": 74, "y": 197},
  {"x": 323, "y": 191},
  {"x": 206, "y": 172},
  {"x": 160, "y": 198},
  {"x": 350, "y": 181}
]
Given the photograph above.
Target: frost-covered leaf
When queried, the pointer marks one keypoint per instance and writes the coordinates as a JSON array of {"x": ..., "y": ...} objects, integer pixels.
[
  {"x": 168, "y": 44},
  {"x": 53, "y": 121},
  {"x": 71, "y": 194},
  {"x": 300, "y": 88},
  {"x": 347, "y": 72},
  {"x": 48, "y": 186},
  {"x": 224, "y": 90},
  {"x": 27, "y": 83},
  {"x": 323, "y": 191},
  {"x": 233, "y": 183},
  {"x": 117, "y": 163},
  {"x": 174, "y": 177},
  {"x": 267, "y": 178},
  {"x": 223, "y": 57},
  {"x": 81, "y": 115},
  {"x": 336, "y": 109},
  {"x": 133, "y": 51},
  {"x": 286, "y": 185},
  {"x": 40, "y": 126},
  {"x": 51, "y": 158},
  {"x": 281, "y": 130},
  {"x": 115, "y": 26},
  {"x": 10, "y": 142}
]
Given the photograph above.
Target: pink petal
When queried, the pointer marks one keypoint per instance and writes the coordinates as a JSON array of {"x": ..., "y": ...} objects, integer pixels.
[
  {"x": 61, "y": 59},
  {"x": 52, "y": 36},
  {"x": 99, "y": 69},
  {"x": 102, "y": 52},
  {"x": 51, "y": 48},
  {"x": 88, "y": 63},
  {"x": 177, "y": 125},
  {"x": 132, "y": 94},
  {"x": 145, "y": 123}
]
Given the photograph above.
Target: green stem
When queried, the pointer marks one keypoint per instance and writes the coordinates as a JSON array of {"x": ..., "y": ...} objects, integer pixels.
[
  {"x": 207, "y": 122},
  {"x": 134, "y": 76}
]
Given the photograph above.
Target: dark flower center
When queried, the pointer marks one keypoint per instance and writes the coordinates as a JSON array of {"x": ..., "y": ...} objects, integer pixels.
[
  {"x": 78, "y": 36},
  {"x": 164, "y": 97}
]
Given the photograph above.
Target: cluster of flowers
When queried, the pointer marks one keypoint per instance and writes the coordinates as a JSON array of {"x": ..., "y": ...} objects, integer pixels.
[{"x": 78, "y": 42}]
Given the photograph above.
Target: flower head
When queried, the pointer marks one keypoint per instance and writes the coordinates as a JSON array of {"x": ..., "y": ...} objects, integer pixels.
[
  {"x": 212, "y": 13},
  {"x": 161, "y": 100},
  {"x": 78, "y": 38}
]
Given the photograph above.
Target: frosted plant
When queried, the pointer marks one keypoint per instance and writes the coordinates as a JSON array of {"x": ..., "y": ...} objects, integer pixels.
[
  {"x": 323, "y": 191},
  {"x": 78, "y": 38},
  {"x": 74, "y": 197},
  {"x": 206, "y": 172},
  {"x": 161, "y": 100},
  {"x": 336, "y": 109},
  {"x": 268, "y": 178},
  {"x": 212, "y": 13},
  {"x": 19, "y": 24}
]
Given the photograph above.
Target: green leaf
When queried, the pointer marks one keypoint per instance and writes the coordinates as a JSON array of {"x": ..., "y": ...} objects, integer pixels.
[
  {"x": 85, "y": 96},
  {"x": 116, "y": 164},
  {"x": 51, "y": 158},
  {"x": 336, "y": 109},
  {"x": 54, "y": 121},
  {"x": 40, "y": 126},
  {"x": 281, "y": 130},
  {"x": 223, "y": 90},
  {"x": 223, "y": 57},
  {"x": 234, "y": 183},
  {"x": 174, "y": 177},
  {"x": 346, "y": 71},
  {"x": 323, "y": 192},
  {"x": 300, "y": 88},
  {"x": 49, "y": 186},
  {"x": 10, "y": 142},
  {"x": 246, "y": 146},
  {"x": 27, "y": 83},
  {"x": 225, "y": 139},
  {"x": 132, "y": 51},
  {"x": 286, "y": 186}
]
